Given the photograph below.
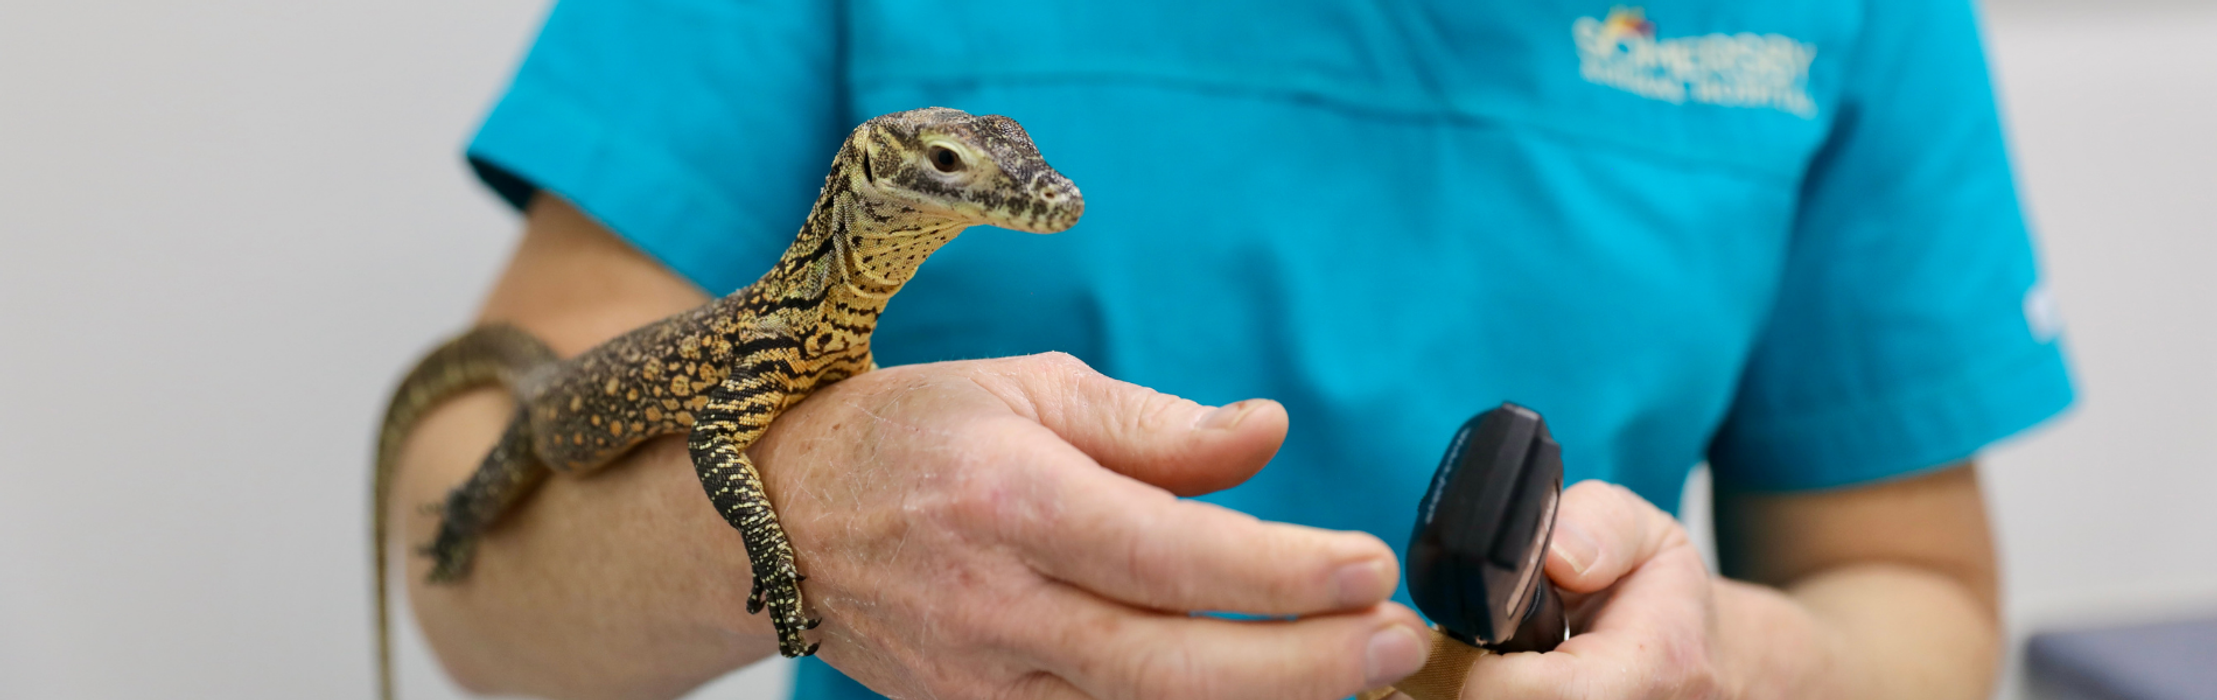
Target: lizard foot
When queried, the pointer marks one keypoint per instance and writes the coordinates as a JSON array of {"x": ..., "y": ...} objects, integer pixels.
[
  {"x": 736, "y": 490},
  {"x": 451, "y": 553},
  {"x": 781, "y": 593}
]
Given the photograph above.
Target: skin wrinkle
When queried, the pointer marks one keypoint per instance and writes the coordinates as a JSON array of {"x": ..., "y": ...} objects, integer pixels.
[
  {"x": 1017, "y": 403},
  {"x": 935, "y": 633},
  {"x": 863, "y": 468},
  {"x": 1138, "y": 558},
  {"x": 1160, "y": 408},
  {"x": 1171, "y": 666}
]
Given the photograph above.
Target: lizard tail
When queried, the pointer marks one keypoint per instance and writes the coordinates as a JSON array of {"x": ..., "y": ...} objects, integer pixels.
[{"x": 495, "y": 354}]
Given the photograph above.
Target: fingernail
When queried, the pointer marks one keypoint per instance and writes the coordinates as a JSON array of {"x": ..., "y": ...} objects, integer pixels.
[
  {"x": 1577, "y": 548},
  {"x": 1225, "y": 416},
  {"x": 1393, "y": 654},
  {"x": 1358, "y": 585}
]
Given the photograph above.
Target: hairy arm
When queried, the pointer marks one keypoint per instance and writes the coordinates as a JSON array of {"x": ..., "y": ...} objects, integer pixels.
[
  {"x": 571, "y": 595},
  {"x": 987, "y": 528}
]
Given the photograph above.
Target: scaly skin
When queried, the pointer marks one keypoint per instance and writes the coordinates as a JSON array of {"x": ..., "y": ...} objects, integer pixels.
[{"x": 901, "y": 186}]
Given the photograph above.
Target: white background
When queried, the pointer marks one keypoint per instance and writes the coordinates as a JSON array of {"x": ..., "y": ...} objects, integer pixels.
[{"x": 226, "y": 224}]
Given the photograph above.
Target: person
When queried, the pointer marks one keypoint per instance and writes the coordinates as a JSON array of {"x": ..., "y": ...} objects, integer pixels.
[{"x": 1781, "y": 239}]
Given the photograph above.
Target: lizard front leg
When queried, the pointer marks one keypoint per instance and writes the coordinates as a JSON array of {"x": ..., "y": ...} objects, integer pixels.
[{"x": 738, "y": 411}]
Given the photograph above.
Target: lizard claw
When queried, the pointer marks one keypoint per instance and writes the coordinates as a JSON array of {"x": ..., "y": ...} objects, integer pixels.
[
  {"x": 782, "y": 594},
  {"x": 450, "y": 558}
]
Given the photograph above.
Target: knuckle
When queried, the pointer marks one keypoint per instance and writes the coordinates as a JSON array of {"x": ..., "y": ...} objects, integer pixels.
[
  {"x": 1056, "y": 361},
  {"x": 1034, "y": 684},
  {"x": 1152, "y": 566},
  {"x": 965, "y": 492},
  {"x": 1000, "y": 611},
  {"x": 1046, "y": 386},
  {"x": 1158, "y": 411},
  {"x": 1168, "y": 672},
  {"x": 1674, "y": 534},
  {"x": 1687, "y": 670},
  {"x": 1089, "y": 648},
  {"x": 1699, "y": 684},
  {"x": 979, "y": 499}
]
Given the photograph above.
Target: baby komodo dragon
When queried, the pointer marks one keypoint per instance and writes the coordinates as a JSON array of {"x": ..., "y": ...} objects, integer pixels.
[{"x": 901, "y": 186}]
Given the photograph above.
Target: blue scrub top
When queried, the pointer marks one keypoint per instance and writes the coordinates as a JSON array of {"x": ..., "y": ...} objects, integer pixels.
[{"x": 1778, "y": 236}]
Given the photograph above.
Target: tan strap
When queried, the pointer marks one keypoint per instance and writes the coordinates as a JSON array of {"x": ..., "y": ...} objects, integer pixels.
[{"x": 1442, "y": 675}]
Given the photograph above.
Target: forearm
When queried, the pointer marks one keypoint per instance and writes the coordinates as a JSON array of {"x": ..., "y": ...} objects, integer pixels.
[
  {"x": 1858, "y": 631},
  {"x": 624, "y": 584},
  {"x": 988, "y": 528},
  {"x": 1886, "y": 590}
]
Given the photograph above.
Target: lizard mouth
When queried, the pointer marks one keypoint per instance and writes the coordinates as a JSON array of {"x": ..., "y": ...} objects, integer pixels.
[
  {"x": 1044, "y": 202},
  {"x": 1039, "y": 214}
]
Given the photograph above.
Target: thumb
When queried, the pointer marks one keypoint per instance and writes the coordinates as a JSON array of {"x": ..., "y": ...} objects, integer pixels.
[
  {"x": 1182, "y": 446},
  {"x": 1604, "y": 531}
]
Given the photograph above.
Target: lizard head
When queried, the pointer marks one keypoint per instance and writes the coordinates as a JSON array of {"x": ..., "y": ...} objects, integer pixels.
[{"x": 968, "y": 168}]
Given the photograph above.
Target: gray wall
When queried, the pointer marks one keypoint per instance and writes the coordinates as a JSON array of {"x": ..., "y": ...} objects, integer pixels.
[
  {"x": 225, "y": 224},
  {"x": 2112, "y": 516}
]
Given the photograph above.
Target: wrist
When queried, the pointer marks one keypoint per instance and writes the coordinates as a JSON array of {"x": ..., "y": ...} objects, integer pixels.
[
  {"x": 1861, "y": 631},
  {"x": 1770, "y": 645},
  {"x": 1902, "y": 631}
]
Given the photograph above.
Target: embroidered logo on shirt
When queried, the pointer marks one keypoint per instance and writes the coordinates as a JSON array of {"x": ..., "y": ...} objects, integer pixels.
[
  {"x": 1731, "y": 70},
  {"x": 2041, "y": 314}
]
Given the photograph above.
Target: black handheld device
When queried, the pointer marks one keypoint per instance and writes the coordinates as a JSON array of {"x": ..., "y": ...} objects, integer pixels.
[{"x": 1475, "y": 560}]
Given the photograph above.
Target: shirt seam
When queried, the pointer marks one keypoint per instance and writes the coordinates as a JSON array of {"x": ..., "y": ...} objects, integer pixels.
[{"x": 1366, "y": 103}]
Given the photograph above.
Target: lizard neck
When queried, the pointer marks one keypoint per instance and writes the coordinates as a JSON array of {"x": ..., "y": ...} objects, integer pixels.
[{"x": 855, "y": 251}]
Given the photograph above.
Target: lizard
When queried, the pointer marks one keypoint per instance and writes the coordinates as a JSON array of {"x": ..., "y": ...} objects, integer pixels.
[{"x": 900, "y": 186}]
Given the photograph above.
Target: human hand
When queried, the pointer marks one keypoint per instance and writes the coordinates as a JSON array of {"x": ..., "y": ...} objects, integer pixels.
[
  {"x": 1009, "y": 528},
  {"x": 1643, "y": 610}
]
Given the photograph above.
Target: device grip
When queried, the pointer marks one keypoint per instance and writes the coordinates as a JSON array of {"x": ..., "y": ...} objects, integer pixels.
[
  {"x": 1543, "y": 628},
  {"x": 1477, "y": 556}
]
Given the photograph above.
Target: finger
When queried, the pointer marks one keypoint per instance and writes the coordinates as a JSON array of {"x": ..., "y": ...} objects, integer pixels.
[
  {"x": 1114, "y": 653},
  {"x": 1652, "y": 639},
  {"x": 1602, "y": 532},
  {"x": 1136, "y": 544},
  {"x": 1653, "y": 628},
  {"x": 1157, "y": 438}
]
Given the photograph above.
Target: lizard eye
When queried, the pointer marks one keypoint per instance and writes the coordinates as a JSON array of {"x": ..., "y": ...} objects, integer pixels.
[{"x": 945, "y": 159}]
